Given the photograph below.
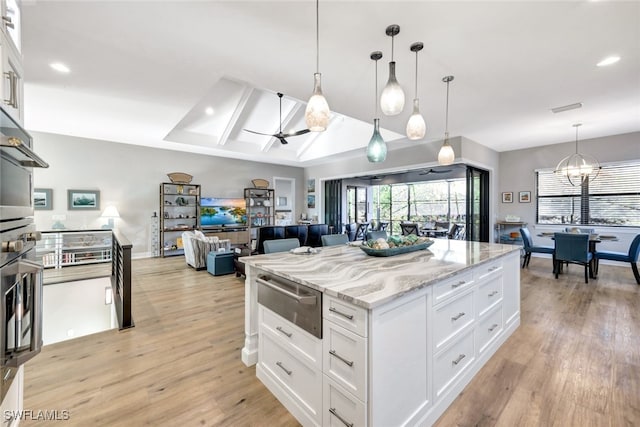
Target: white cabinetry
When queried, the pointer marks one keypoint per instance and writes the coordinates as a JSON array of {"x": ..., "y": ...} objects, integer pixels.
[
  {"x": 401, "y": 363},
  {"x": 12, "y": 72},
  {"x": 12, "y": 402}
]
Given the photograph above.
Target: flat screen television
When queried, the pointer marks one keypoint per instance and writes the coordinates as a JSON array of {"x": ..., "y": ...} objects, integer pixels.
[{"x": 222, "y": 212}]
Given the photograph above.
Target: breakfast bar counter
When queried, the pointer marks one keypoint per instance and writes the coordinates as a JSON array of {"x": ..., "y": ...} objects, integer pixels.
[{"x": 396, "y": 338}]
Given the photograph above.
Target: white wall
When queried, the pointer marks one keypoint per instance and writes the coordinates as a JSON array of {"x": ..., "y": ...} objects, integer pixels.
[{"x": 129, "y": 176}]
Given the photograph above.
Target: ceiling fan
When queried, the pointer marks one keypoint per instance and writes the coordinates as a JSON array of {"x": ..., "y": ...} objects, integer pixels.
[
  {"x": 281, "y": 136},
  {"x": 430, "y": 171}
]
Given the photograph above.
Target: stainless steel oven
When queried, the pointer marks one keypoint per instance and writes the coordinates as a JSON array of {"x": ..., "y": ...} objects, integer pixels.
[
  {"x": 20, "y": 274},
  {"x": 299, "y": 304}
]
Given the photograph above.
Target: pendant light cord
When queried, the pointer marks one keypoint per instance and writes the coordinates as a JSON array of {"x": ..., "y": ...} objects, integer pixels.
[
  {"x": 317, "y": 36},
  {"x": 375, "y": 100},
  {"x": 576, "y": 126},
  {"x": 446, "y": 116},
  {"x": 392, "y": 37},
  {"x": 416, "y": 74}
]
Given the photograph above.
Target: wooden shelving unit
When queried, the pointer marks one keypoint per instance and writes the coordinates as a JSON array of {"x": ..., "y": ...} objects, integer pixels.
[{"x": 179, "y": 212}]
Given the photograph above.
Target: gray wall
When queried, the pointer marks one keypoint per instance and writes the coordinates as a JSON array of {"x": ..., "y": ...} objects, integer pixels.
[
  {"x": 517, "y": 168},
  {"x": 128, "y": 177}
]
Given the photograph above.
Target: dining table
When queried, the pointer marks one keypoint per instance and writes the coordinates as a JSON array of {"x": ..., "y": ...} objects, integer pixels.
[
  {"x": 594, "y": 239},
  {"x": 433, "y": 231}
]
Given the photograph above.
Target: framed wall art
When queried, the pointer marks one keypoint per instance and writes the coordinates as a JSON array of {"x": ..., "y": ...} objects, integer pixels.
[
  {"x": 83, "y": 200},
  {"x": 524, "y": 196},
  {"x": 42, "y": 199},
  {"x": 507, "y": 197}
]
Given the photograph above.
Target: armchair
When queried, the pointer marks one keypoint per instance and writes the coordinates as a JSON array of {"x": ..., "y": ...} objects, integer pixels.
[{"x": 197, "y": 246}]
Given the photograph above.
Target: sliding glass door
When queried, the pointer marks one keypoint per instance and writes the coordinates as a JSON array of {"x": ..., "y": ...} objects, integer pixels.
[{"x": 477, "y": 218}]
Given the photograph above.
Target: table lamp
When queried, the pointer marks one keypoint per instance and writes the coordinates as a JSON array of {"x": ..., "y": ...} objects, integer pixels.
[{"x": 110, "y": 213}]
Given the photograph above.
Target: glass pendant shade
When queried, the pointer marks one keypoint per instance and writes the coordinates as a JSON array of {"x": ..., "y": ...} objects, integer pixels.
[
  {"x": 416, "y": 127},
  {"x": 377, "y": 148},
  {"x": 317, "y": 112},
  {"x": 392, "y": 98},
  {"x": 446, "y": 155}
]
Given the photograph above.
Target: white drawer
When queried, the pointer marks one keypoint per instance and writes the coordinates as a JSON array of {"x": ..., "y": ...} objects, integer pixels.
[
  {"x": 347, "y": 315},
  {"x": 452, "y": 286},
  {"x": 488, "y": 269},
  {"x": 451, "y": 362},
  {"x": 489, "y": 327},
  {"x": 341, "y": 408},
  {"x": 451, "y": 317},
  {"x": 488, "y": 294},
  {"x": 292, "y": 337},
  {"x": 345, "y": 358},
  {"x": 302, "y": 382}
]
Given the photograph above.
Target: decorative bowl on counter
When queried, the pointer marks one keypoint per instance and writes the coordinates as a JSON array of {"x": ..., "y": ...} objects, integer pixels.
[{"x": 397, "y": 250}]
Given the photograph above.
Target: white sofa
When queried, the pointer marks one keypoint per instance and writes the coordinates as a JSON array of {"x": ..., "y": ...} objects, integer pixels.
[{"x": 197, "y": 246}]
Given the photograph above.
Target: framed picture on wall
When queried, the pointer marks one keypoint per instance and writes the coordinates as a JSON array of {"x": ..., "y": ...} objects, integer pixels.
[
  {"x": 311, "y": 201},
  {"x": 42, "y": 199},
  {"x": 311, "y": 185},
  {"x": 524, "y": 196},
  {"x": 507, "y": 197},
  {"x": 83, "y": 200}
]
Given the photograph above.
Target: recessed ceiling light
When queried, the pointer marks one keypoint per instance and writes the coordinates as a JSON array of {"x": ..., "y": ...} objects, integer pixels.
[
  {"x": 608, "y": 61},
  {"x": 209, "y": 111},
  {"x": 60, "y": 67}
]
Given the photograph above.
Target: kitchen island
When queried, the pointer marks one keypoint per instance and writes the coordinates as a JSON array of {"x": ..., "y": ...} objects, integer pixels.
[{"x": 400, "y": 336}]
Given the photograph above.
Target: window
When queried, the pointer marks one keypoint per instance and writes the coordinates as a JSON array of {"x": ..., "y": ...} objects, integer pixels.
[
  {"x": 431, "y": 201},
  {"x": 613, "y": 198}
]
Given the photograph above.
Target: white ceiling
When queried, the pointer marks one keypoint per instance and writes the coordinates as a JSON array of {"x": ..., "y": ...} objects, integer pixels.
[{"x": 143, "y": 72}]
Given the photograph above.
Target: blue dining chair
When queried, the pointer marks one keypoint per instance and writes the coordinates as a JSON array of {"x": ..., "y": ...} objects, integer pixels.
[
  {"x": 280, "y": 245},
  {"x": 631, "y": 257},
  {"x": 573, "y": 248},
  {"x": 530, "y": 248},
  {"x": 334, "y": 239}
]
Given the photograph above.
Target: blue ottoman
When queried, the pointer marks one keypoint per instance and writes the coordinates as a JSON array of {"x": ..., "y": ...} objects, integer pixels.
[{"x": 219, "y": 263}]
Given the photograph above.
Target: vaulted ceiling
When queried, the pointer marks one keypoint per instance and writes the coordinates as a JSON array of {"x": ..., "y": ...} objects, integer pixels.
[{"x": 146, "y": 72}]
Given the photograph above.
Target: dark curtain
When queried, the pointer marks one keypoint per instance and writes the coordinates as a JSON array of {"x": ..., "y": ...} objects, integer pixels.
[{"x": 333, "y": 204}]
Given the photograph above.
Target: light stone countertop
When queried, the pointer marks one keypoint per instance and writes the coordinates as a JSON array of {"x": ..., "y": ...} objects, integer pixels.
[{"x": 348, "y": 273}]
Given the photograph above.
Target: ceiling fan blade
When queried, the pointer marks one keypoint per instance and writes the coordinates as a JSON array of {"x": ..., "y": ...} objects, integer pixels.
[
  {"x": 258, "y": 133},
  {"x": 430, "y": 171},
  {"x": 282, "y": 140},
  {"x": 298, "y": 132}
]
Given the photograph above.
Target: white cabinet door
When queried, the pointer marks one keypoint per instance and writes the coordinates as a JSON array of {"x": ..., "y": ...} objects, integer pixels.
[{"x": 12, "y": 83}]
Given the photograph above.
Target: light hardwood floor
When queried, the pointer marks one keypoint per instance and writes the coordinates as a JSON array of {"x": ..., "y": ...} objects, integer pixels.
[{"x": 574, "y": 361}]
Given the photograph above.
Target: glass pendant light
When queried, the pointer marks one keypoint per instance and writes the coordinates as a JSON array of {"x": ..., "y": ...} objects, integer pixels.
[
  {"x": 377, "y": 148},
  {"x": 578, "y": 168},
  {"x": 446, "y": 154},
  {"x": 392, "y": 98},
  {"x": 416, "y": 127},
  {"x": 317, "y": 112}
]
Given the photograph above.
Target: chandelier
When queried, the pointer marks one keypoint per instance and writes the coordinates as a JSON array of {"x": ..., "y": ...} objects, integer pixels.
[{"x": 578, "y": 168}]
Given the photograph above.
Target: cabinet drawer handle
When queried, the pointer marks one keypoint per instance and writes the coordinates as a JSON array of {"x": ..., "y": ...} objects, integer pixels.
[
  {"x": 458, "y": 360},
  {"x": 335, "y": 414},
  {"x": 495, "y": 325},
  {"x": 494, "y": 268},
  {"x": 459, "y": 315},
  {"x": 334, "y": 354},
  {"x": 493, "y": 293},
  {"x": 283, "y": 368},
  {"x": 12, "y": 78},
  {"x": 460, "y": 283},
  {"x": 279, "y": 328},
  {"x": 348, "y": 316}
]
